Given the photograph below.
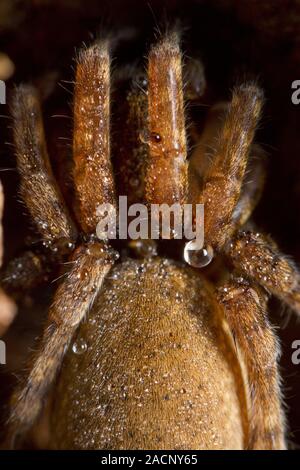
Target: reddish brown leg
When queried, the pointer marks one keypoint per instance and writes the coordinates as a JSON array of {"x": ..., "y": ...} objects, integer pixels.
[
  {"x": 166, "y": 169},
  {"x": 224, "y": 178},
  {"x": 38, "y": 187},
  {"x": 39, "y": 192},
  {"x": 251, "y": 190},
  {"x": 258, "y": 258},
  {"x": 91, "y": 145},
  {"x": 244, "y": 305},
  {"x": 90, "y": 262}
]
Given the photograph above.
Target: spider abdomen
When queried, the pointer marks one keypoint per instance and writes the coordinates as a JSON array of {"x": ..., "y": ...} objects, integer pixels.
[{"x": 150, "y": 368}]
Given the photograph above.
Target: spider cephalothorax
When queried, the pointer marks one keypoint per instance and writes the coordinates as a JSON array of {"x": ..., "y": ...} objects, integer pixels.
[{"x": 153, "y": 363}]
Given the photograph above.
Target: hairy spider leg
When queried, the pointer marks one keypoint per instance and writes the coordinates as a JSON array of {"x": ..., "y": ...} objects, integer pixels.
[
  {"x": 90, "y": 262},
  {"x": 258, "y": 258},
  {"x": 244, "y": 305},
  {"x": 38, "y": 187},
  {"x": 49, "y": 213},
  {"x": 224, "y": 177},
  {"x": 202, "y": 157},
  {"x": 251, "y": 190},
  {"x": 72, "y": 301},
  {"x": 93, "y": 177},
  {"x": 166, "y": 168}
]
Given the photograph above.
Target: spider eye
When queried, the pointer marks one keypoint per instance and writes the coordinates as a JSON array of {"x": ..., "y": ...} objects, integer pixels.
[
  {"x": 197, "y": 258},
  {"x": 155, "y": 137},
  {"x": 146, "y": 137}
]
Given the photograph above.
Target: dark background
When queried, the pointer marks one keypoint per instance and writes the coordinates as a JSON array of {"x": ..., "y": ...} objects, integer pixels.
[{"x": 234, "y": 39}]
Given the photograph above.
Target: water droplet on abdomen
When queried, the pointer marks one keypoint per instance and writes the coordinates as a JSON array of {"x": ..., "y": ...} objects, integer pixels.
[
  {"x": 197, "y": 258},
  {"x": 79, "y": 346}
]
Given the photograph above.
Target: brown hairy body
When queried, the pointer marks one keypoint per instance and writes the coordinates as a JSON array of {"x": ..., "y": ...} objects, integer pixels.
[{"x": 157, "y": 370}]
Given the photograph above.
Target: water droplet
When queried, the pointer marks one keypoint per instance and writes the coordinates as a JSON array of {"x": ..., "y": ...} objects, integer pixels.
[
  {"x": 79, "y": 347},
  {"x": 115, "y": 275},
  {"x": 197, "y": 258},
  {"x": 43, "y": 224},
  {"x": 115, "y": 255},
  {"x": 84, "y": 273},
  {"x": 141, "y": 269}
]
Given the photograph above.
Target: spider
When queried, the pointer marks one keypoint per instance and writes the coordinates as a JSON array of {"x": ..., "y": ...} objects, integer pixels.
[{"x": 146, "y": 352}]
